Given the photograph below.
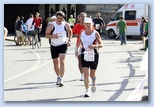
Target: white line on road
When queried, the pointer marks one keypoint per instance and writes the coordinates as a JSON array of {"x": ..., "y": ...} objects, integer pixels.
[{"x": 27, "y": 71}]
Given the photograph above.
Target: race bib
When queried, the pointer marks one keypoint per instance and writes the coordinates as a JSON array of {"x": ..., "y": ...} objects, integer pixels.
[
  {"x": 60, "y": 40},
  {"x": 89, "y": 55},
  {"x": 97, "y": 26}
]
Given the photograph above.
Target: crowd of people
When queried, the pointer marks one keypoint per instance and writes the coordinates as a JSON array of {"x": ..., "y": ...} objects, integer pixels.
[{"x": 31, "y": 24}]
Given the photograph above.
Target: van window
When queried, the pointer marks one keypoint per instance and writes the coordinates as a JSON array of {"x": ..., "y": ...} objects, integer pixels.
[
  {"x": 130, "y": 15},
  {"x": 117, "y": 16}
]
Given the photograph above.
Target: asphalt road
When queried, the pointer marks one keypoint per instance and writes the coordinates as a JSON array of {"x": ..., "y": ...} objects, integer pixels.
[{"x": 29, "y": 73}]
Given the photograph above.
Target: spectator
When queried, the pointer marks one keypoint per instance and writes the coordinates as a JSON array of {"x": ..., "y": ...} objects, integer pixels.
[
  {"x": 30, "y": 27},
  {"x": 146, "y": 35},
  {"x": 142, "y": 25},
  {"x": 64, "y": 10},
  {"x": 52, "y": 12},
  {"x": 18, "y": 29},
  {"x": 48, "y": 19},
  {"x": 22, "y": 20},
  {"x": 38, "y": 24},
  {"x": 71, "y": 21},
  {"x": 121, "y": 29},
  {"x": 73, "y": 12},
  {"x": 15, "y": 23}
]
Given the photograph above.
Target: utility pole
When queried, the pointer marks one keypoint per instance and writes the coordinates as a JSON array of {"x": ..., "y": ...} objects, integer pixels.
[{"x": 68, "y": 11}]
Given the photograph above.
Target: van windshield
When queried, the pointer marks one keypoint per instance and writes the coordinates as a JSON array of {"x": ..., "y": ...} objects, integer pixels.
[{"x": 117, "y": 16}]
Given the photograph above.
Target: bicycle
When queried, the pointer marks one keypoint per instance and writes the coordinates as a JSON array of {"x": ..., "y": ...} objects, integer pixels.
[
  {"x": 35, "y": 39},
  {"x": 22, "y": 40}
]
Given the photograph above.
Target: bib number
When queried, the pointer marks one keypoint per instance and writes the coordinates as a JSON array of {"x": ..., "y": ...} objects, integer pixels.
[
  {"x": 60, "y": 40},
  {"x": 97, "y": 26},
  {"x": 89, "y": 55}
]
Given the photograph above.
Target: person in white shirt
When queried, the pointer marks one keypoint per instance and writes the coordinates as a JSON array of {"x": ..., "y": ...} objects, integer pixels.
[
  {"x": 57, "y": 32},
  {"x": 90, "y": 41},
  {"x": 30, "y": 27}
]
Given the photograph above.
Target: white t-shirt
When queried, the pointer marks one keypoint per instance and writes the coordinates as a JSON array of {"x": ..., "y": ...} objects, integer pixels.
[{"x": 29, "y": 24}]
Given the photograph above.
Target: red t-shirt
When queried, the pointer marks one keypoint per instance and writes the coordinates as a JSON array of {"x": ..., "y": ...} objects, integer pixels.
[
  {"x": 38, "y": 22},
  {"x": 77, "y": 29}
]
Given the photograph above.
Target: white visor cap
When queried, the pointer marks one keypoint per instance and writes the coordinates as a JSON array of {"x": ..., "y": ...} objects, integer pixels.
[{"x": 88, "y": 20}]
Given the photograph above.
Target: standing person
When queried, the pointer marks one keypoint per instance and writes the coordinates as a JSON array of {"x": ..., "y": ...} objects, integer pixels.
[
  {"x": 142, "y": 28},
  {"x": 48, "y": 18},
  {"x": 52, "y": 12},
  {"x": 30, "y": 27},
  {"x": 38, "y": 24},
  {"x": 90, "y": 40},
  {"x": 22, "y": 19},
  {"x": 65, "y": 12},
  {"x": 146, "y": 35},
  {"x": 73, "y": 11},
  {"x": 98, "y": 22},
  {"x": 18, "y": 29},
  {"x": 121, "y": 29},
  {"x": 71, "y": 21},
  {"x": 77, "y": 29},
  {"x": 15, "y": 23},
  {"x": 56, "y": 32}
]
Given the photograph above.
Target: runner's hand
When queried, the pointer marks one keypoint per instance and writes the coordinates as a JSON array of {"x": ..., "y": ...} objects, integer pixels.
[
  {"x": 55, "y": 36},
  {"x": 92, "y": 46},
  {"x": 69, "y": 43}
]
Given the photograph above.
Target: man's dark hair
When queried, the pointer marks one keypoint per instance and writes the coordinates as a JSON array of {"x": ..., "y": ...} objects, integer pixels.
[
  {"x": 31, "y": 15},
  {"x": 22, "y": 18},
  {"x": 121, "y": 18},
  {"x": 18, "y": 17},
  {"x": 60, "y": 13},
  {"x": 144, "y": 20}
]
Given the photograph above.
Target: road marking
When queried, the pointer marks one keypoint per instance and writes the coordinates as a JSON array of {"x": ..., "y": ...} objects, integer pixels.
[{"x": 27, "y": 71}]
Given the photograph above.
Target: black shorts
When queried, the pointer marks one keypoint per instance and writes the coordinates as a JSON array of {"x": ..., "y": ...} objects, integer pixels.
[
  {"x": 56, "y": 50},
  {"x": 88, "y": 64}
]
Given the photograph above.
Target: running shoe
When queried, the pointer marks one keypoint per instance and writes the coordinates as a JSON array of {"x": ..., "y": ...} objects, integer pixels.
[
  {"x": 82, "y": 77},
  {"x": 61, "y": 83},
  {"x": 87, "y": 94},
  {"x": 58, "y": 81},
  {"x": 93, "y": 88}
]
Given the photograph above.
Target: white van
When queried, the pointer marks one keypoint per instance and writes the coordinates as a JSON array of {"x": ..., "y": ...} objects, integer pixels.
[{"x": 132, "y": 13}]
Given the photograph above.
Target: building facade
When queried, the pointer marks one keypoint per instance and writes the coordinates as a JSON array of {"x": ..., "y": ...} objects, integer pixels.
[{"x": 11, "y": 11}]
